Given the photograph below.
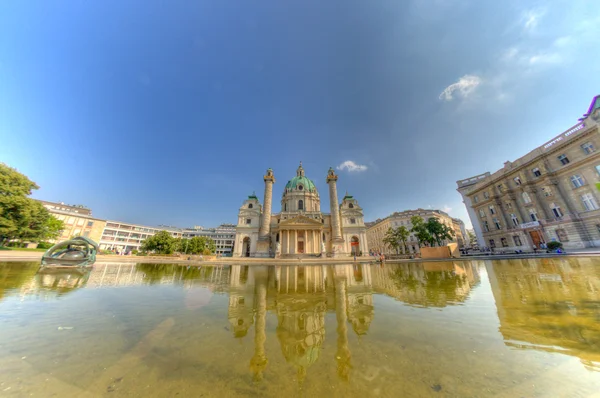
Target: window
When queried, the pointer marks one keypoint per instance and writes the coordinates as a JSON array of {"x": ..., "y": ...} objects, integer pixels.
[
  {"x": 598, "y": 228},
  {"x": 486, "y": 195},
  {"x": 588, "y": 148},
  {"x": 517, "y": 240},
  {"x": 598, "y": 169},
  {"x": 577, "y": 181},
  {"x": 476, "y": 198},
  {"x": 536, "y": 172},
  {"x": 248, "y": 221},
  {"x": 526, "y": 197},
  {"x": 517, "y": 180},
  {"x": 563, "y": 159},
  {"x": 589, "y": 202},
  {"x": 486, "y": 226},
  {"x": 508, "y": 205},
  {"x": 250, "y": 206},
  {"x": 562, "y": 236},
  {"x": 533, "y": 215},
  {"x": 300, "y": 204},
  {"x": 556, "y": 210},
  {"x": 350, "y": 206},
  {"x": 515, "y": 220},
  {"x": 500, "y": 187},
  {"x": 90, "y": 223},
  {"x": 353, "y": 221},
  {"x": 492, "y": 243},
  {"x": 497, "y": 223},
  {"x": 492, "y": 210},
  {"x": 285, "y": 207},
  {"x": 300, "y": 187},
  {"x": 504, "y": 242}
]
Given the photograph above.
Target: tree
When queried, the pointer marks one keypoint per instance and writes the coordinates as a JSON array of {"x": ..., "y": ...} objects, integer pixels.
[
  {"x": 419, "y": 228},
  {"x": 391, "y": 239},
  {"x": 21, "y": 217},
  {"x": 402, "y": 233},
  {"x": 472, "y": 238},
  {"x": 161, "y": 243},
  {"x": 438, "y": 231}
]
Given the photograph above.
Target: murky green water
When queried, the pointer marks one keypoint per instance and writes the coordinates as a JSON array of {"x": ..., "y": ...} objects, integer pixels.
[{"x": 518, "y": 328}]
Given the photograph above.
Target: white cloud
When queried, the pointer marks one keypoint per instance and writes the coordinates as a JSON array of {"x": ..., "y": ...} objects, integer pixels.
[
  {"x": 531, "y": 18},
  {"x": 464, "y": 86},
  {"x": 446, "y": 209},
  {"x": 562, "y": 41},
  {"x": 546, "y": 58},
  {"x": 351, "y": 166}
]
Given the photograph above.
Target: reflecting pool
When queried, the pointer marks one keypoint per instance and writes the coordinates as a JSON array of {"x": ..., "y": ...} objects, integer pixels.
[{"x": 507, "y": 328}]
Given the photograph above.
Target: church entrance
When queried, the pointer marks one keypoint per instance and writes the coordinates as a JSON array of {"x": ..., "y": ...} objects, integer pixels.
[
  {"x": 300, "y": 241},
  {"x": 354, "y": 245},
  {"x": 246, "y": 247}
]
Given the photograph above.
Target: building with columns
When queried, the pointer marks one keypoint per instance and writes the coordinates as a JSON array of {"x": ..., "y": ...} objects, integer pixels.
[
  {"x": 549, "y": 194},
  {"x": 300, "y": 228}
]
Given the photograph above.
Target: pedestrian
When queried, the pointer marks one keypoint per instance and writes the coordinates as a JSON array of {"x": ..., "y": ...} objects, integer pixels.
[{"x": 535, "y": 249}]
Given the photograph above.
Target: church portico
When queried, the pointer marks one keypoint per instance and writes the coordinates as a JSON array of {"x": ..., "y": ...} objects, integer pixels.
[{"x": 300, "y": 235}]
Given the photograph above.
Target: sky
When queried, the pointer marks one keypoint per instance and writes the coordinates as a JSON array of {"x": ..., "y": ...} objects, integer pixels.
[{"x": 169, "y": 112}]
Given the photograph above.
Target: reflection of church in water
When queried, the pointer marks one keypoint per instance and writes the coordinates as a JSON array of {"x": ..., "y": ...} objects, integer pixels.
[{"x": 300, "y": 296}]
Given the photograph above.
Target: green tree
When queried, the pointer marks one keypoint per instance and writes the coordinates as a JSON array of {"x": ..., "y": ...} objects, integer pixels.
[
  {"x": 419, "y": 228},
  {"x": 438, "y": 231},
  {"x": 402, "y": 233},
  {"x": 21, "y": 217},
  {"x": 161, "y": 243},
  {"x": 391, "y": 240}
]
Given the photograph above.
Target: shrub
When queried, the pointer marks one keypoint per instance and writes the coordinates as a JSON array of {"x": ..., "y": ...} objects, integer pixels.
[
  {"x": 206, "y": 252},
  {"x": 134, "y": 252},
  {"x": 554, "y": 245},
  {"x": 44, "y": 245}
]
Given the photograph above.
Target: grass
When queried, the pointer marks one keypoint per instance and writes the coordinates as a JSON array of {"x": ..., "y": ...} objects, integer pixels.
[{"x": 22, "y": 249}]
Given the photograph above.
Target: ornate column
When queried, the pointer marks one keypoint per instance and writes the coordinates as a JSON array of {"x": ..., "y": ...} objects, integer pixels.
[
  {"x": 259, "y": 361},
  {"x": 264, "y": 234},
  {"x": 337, "y": 241}
]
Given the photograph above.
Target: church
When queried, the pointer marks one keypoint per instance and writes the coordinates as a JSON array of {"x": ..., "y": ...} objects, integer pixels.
[{"x": 300, "y": 229}]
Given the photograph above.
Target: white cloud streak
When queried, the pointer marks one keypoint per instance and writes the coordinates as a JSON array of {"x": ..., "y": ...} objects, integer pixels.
[
  {"x": 352, "y": 166},
  {"x": 464, "y": 86},
  {"x": 532, "y": 18}
]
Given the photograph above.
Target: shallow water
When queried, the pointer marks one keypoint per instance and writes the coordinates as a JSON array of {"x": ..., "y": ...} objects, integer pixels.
[{"x": 509, "y": 328}]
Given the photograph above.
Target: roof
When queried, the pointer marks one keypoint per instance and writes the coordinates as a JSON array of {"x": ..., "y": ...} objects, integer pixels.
[{"x": 301, "y": 180}]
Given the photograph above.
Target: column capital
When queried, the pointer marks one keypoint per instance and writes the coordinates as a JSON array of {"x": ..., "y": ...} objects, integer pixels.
[
  {"x": 331, "y": 176},
  {"x": 269, "y": 176}
]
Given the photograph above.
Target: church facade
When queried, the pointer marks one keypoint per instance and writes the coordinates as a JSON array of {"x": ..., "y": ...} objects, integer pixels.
[{"x": 300, "y": 228}]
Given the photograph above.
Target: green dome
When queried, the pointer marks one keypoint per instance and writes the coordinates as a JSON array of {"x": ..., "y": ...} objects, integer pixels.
[{"x": 297, "y": 181}]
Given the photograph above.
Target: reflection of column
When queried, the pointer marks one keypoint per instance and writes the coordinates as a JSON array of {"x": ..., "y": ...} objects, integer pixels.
[
  {"x": 259, "y": 361},
  {"x": 343, "y": 352}
]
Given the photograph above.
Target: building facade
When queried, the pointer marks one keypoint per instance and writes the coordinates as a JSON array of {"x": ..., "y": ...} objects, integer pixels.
[
  {"x": 547, "y": 195},
  {"x": 460, "y": 233},
  {"x": 223, "y": 235},
  {"x": 377, "y": 229},
  {"x": 300, "y": 228},
  {"x": 126, "y": 237},
  {"x": 78, "y": 221}
]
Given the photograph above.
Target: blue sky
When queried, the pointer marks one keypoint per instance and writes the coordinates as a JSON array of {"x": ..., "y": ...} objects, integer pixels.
[{"x": 169, "y": 112}]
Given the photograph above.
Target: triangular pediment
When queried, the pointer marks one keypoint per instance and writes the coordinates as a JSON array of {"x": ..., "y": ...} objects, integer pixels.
[{"x": 301, "y": 220}]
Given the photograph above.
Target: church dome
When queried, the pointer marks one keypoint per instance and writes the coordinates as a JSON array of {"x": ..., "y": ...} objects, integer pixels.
[{"x": 301, "y": 182}]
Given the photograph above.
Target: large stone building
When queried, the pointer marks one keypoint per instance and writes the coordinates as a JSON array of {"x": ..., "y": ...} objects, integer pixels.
[
  {"x": 223, "y": 235},
  {"x": 126, "y": 237},
  {"x": 78, "y": 221},
  {"x": 377, "y": 229},
  {"x": 300, "y": 228},
  {"x": 547, "y": 195}
]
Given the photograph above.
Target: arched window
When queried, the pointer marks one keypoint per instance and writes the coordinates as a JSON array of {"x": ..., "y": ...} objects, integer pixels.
[
  {"x": 300, "y": 187},
  {"x": 300, "y": 204},
  {"x": 250, "y": 206},
  {"x": 350, "y": 206},
  {"x": 277, "y": 237},
  {"x": 285, "y": 207}
]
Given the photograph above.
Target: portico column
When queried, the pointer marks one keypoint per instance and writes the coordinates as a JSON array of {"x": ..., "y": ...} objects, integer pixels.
[{"x": 264, "y": 238}]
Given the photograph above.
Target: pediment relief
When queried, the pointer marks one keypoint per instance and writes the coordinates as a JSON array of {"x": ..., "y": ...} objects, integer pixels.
[{"x": 301, "y": 220}]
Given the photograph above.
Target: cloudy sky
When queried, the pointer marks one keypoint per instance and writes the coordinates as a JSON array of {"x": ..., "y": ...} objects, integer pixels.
[{"x": 170, "y": 112}]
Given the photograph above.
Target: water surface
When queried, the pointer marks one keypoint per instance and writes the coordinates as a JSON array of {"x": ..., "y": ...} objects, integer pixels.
[{"x": 526, "y": 328}]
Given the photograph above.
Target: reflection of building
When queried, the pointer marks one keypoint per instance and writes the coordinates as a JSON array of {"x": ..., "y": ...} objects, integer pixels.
[
  {"x": 300, "y": 228},
  {"x": 377, "y": 229},
  {"x": 548, "y": 194},
  {"x": 78, "y": 221},
  {"x": 549, "y": 305}
]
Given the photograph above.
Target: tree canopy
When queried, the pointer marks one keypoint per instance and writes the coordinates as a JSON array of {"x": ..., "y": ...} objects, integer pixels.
[
  {"x": 396, "y": 238},
  {"x": 164, "y": 243},
  {"x": 23, "y": 218},
  {"x": 430, "y": 232}
]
